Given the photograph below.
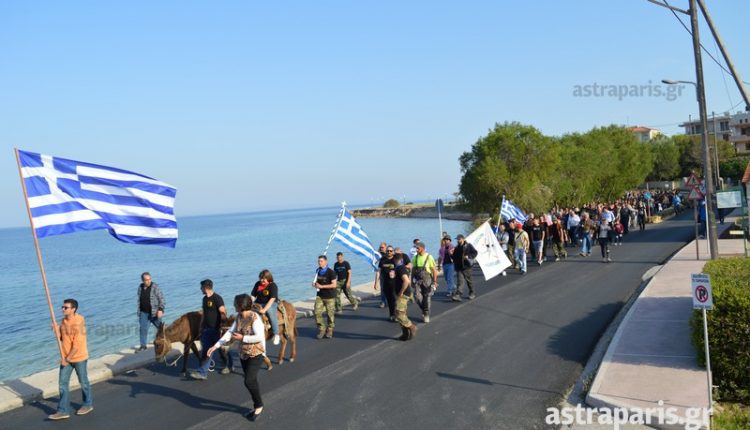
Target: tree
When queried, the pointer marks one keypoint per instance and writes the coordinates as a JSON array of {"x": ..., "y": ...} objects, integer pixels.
[
  {"x": 391, "y": 203},
  {"x": 666, "y": 159},
  {"x": 691, "y": 154},
  {"x": 514, "y": 160},
  {"x": 734, "y": 167},
  {"x": 625, "y": 161}
]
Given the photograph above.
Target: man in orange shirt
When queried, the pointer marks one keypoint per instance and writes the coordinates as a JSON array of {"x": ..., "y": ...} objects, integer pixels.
[{"x": 72, "y": 334}]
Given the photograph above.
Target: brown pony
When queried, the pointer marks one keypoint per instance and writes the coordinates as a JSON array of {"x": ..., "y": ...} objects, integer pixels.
[{"x": 290, "y": 334}]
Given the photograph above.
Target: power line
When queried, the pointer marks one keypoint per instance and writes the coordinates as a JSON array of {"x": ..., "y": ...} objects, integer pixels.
[{"x": 702, "y": 47}]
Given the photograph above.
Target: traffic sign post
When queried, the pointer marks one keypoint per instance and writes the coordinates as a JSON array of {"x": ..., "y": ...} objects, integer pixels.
[{"x": 703, "y": 300}]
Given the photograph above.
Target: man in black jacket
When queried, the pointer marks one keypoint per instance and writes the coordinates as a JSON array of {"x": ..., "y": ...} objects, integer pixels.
[{"x": 463, "y": 258}]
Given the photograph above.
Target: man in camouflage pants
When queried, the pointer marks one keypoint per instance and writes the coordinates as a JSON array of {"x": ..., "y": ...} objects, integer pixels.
[
  {"x": 325, "y": 282},
  {"x": 403, "y": 296}
]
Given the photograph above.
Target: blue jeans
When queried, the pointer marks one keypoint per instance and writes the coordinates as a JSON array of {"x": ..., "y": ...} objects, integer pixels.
[
  {"x": 586, "y": 247},
  {"x": 144, "y": 319},
  {"x": 209, "y": 337},
  {"x": 449, "y": 272},
  {"x": 83, "y": 379},
  {"x": 383, "y": 300},
  {"x": 273, "y": 317},
  {"x": 520, "y": 255}
]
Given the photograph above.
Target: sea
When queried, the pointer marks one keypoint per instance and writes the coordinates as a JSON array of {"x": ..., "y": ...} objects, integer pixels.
[{"x": 103, "y": 274}]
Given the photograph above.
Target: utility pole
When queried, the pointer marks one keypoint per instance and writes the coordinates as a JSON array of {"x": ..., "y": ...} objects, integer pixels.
[{"x": 713, "y": 243}]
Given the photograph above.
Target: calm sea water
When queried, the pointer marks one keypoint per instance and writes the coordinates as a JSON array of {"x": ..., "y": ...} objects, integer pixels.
[{"x": 102, "y": 273}]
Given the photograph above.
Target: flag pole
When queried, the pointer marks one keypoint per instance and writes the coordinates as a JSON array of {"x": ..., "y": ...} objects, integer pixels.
[
  {"x": 333, "y": 233},
  {"x": 39, "y": 254},
  {"x": 500, "y": 211}
]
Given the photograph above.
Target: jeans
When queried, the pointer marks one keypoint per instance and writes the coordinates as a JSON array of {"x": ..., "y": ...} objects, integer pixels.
[
  {"x": 273, "y": 317},
  {"x": 209, "y": 337},
  {"x": 586, "y": 247},
  {"x": 449, "y": 272},
  {"x": 538, "y": 249},
  {"x": 520, "y": 255},
  {"x": 383, "y": 300},
  {"x": 83, "y": 379},
  {"x": 251, "y": 366},
  {"x": 144, "y": 319},
  {"x": 424, "y": 298}
]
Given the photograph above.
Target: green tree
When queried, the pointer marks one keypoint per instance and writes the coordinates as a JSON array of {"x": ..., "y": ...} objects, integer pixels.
[
  {"x": 691, "y": 154},
  {"x": 734, "y": 167},
  {"x": 514, "y": 160},
  {"x": 391, "y": 203},
  {"x": 666, "y": 159},
  {"x": 579, "y": 169},
  {"x": 625, "y": 161}
]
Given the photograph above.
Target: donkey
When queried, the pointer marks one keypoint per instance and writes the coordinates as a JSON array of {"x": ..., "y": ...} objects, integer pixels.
[
  {"x": 185, "y": 329},
  {"x": 289, "y": 333}
]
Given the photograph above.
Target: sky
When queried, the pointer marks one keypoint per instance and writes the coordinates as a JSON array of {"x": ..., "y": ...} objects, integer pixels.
[{"x": 250, "y": 105}]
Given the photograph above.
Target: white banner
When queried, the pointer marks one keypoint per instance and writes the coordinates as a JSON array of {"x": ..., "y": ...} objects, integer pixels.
[{"x": 491, "y": 258}]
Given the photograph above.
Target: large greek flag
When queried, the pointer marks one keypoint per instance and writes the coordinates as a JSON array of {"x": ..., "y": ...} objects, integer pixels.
[
  {"x": 351, "y": 235},
  {"x": 66, "y": 196},
  {"x": 510, "y": 211}
]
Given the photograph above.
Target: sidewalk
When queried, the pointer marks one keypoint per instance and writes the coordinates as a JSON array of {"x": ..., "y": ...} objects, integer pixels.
[
  {"x": 16, "y": 393},
  {"x": 651, "y": 357}
]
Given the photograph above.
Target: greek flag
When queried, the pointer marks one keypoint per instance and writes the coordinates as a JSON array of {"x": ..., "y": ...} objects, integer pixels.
[
  {"x": 351, "y": 235},
  {"x": 510, "y": 211},
  {"x": 66, "y": 196}
]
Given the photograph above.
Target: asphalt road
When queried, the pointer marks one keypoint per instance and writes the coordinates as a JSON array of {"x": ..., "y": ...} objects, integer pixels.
[{"x": 495, "y": 362}]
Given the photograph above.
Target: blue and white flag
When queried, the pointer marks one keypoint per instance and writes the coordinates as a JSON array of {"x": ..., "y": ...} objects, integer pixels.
[
  {"x": 351, "y": 235},
  {"x": 66, "y": 196},
  {"x": 510, "y": 211}
]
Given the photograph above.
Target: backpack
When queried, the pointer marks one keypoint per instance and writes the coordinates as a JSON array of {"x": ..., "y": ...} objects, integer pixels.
[{"x": 619, "y": 229}]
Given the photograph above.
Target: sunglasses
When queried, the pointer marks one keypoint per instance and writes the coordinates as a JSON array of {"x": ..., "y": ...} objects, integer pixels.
[{"x": 67, "y": 307}]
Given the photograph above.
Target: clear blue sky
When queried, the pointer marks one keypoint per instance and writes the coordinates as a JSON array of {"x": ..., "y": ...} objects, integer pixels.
[{"x": 249, "y": 105}]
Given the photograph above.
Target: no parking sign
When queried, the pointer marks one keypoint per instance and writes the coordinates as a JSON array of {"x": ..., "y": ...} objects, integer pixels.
[{"x": 702, "y": 298}]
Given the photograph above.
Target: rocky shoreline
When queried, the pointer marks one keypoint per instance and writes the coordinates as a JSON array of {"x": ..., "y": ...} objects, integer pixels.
[{"x": 450, "y": 213}]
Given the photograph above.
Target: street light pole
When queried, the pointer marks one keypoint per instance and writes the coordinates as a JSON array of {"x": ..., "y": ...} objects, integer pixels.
[{"x": 708, "y": 171}]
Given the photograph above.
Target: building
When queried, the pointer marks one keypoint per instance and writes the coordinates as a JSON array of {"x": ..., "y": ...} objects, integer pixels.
[
  {"x": 644, "y": 134},
  {"x": 733, "y": 128},
  {"x": 740, "y": 124}
]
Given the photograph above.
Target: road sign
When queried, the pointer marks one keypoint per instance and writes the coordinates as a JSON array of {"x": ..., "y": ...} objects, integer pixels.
[
  {"x": 691, "y": 180},
  {"x": 729, "y": 199},
  {"x": 695, "y": 194},
  {"x": 702, "y": 186},
  {"x": 702, "y": 298}
]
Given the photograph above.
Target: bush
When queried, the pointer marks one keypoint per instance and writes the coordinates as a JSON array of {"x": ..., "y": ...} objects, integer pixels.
[
  {"x": 728, "y": 328},
  {"x": 391, "y": 203}
]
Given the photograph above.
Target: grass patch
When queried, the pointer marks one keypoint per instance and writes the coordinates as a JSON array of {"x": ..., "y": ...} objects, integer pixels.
[{"x": 731, "y": 416}]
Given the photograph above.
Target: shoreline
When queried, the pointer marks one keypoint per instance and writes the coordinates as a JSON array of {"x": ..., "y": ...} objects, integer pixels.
[
  {"x": 16, "y": 393},
  {"x": 414, "y": 211}
]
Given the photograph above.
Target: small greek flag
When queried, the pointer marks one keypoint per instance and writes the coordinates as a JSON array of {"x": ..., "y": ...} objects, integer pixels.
[
  {"x": 351, "y": 235},
  {"x": 66, "y": 196},
  {"x": 510, "y": 211}
]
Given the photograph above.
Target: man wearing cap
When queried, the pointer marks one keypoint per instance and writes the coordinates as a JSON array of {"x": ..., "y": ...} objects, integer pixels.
[
  {"x": 424, "y": 279},
  {"x": 522, "y": 247},
  {"x": 463, "y": 258}
]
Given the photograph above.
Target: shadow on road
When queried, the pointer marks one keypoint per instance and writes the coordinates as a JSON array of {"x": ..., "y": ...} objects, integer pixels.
[
  {"x": 566, "y": 342},
  {"x": 188, "y": 399},
  {"x": 488, "y": 382}
]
